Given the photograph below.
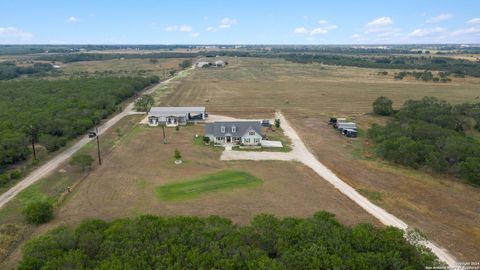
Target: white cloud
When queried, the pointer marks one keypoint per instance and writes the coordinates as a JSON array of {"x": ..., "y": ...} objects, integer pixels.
[
  {"x": 196, "y": 34},
  {"x": 380, "y": 22},
  {"x": 171, "y": 28},
  {"x": 318, "y": 30},
  {"x": 185, "y": 28},
  {"x": 305, "y": 17},
  {"x": 211, "y": 29},
  {"x": 205, "y": 18},
  {"x": 474, "y": 21},
  {"x": 323, "y": 28},
  {"x": 467, "y": 31},
  {"x": 72, "y": 19},
  {"x": 424, "y": 32},
  {"x": 301, "y": 30},
  {"x": 11, "y": 34},
  {"x": 225, "y": 26},
  {"x": 440, "y": 18},
  {"x": 227, "y": 22}
]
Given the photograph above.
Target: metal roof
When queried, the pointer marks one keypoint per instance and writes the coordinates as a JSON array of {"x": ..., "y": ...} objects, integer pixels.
[
  {"x": 166, "y": 111},
  {"x": 242, "y": 127}
]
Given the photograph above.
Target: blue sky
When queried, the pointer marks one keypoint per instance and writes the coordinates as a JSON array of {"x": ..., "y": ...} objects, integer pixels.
[{"x": 239, "y": 22}]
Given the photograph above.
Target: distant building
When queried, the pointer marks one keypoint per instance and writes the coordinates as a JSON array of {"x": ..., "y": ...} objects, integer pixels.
[
  {"x": 203, "y": 64},
  {"x": 220, "y": 63},
  {"x": 174, "y": 116},
  {"x": 56, "y": 66},
  {"x": 235, "y": 132}
]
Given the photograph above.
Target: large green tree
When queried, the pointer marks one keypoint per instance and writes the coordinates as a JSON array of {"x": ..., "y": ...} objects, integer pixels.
[
  {"x": 383, "y": 106},
  {"x": 150, "y": 242}
]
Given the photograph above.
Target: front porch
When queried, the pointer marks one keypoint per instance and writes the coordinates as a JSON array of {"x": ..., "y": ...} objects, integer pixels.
[{"x": 173, "y": 121}]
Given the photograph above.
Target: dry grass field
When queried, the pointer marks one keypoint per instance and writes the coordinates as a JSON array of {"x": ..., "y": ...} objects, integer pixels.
[
  {"x": 125, "y": 185},
  {"x": 123, "y": 66},
  {"x": 447, "y": 211},
  {"x": 136, "y": 161},
  {"x": 262, "y": 85}
]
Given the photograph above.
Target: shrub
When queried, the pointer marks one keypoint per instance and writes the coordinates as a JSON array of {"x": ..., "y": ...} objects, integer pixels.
[
  {"x": 470, "y": 170},
  {"x": 38, "y": 211},
  {"x": 206, "y": 139},
  {"x": 177, "y": 154},
  {"x": 82, "y": 160},
  {"x": 277, "y": 123},
  {"x": 383, "y": 106},
  {"x": 15, "y": 174},
  {"x": 4, "y": 179},
  {"x": 52, "y": 143}
]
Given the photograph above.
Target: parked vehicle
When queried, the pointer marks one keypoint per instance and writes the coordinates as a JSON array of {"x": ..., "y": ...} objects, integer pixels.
[
  {"x": 346, "y": 125},
  {"x": 92, "y": 134},
  {"x": 351, "y": 133},
  {"x": 334, "y": 121},
  {"x": 266, "y": 123}
]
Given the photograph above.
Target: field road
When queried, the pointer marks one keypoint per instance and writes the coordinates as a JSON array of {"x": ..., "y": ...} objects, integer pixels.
[
  {"x": 301, "y": 154},
  {"x": 48, "y": 167}
]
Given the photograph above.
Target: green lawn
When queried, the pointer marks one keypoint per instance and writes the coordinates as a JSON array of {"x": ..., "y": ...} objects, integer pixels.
[{"x": 223, "y": 180}]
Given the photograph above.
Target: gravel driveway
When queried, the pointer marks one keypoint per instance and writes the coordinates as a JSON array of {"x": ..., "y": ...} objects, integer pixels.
[{"x": 301, "y": 154}]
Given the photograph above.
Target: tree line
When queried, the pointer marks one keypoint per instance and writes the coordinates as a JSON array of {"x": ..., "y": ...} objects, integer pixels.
[
  {"x": 456, "y": 67},
  {"x": 151, "y": 242},
  {"x": 77, "y": 57},
  {"x": 430, "y": 133},
  {"x": 9, "y": 70},
  {"x": 50, "y": 112}
]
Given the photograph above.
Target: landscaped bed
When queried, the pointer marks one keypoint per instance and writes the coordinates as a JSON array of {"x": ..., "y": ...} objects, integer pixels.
[{"x": 223, "y": 180}]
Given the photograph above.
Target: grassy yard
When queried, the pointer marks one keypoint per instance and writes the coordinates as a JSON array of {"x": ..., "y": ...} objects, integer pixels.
[
  {"x": 308, "y": 94},
  {"x": 223, "y": 180}
]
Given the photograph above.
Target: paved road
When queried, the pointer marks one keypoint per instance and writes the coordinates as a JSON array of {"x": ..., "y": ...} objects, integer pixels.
[
  {"x": 51, "y": 165},
  {"x": 302, "y": 154}
]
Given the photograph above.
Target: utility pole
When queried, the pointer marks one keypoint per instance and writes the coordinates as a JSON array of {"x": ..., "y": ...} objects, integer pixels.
[{"x": 98, "y": 146}]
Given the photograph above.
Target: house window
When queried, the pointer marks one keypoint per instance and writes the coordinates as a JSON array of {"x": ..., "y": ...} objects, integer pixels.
[
  {"x": 257, "y": 140},
  {"x": 247, "y": 140},
  {"x": 251, "y": 133},
  {"x": 234, "y": 129},
  {"x": 222, "y": 129}
]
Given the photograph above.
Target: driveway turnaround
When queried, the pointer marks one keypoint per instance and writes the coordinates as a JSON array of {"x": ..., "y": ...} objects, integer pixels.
[
  {"x": 301, "y": 154},
  {"x": 51, "y": 165}
]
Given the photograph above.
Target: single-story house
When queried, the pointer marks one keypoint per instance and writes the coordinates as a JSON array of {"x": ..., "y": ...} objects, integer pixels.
[
  {"x": 174, "y": 116},
  {"x": 220, "y": 63},
  {"x": 203, "y": 64},
  {"x": 235, "y": 132}
]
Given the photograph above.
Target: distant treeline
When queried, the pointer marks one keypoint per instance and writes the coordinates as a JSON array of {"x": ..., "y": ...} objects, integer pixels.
[
  {"x": 52, "y": 111},
  {"x": 431, "y": 133},
  {"x": 452, "y": 66},
  {"x": 9, "y": 70},
  {"x": 456, "y": 67},
  {"x": 77, "y": 57},
  {"x": 151, "y": 242}
]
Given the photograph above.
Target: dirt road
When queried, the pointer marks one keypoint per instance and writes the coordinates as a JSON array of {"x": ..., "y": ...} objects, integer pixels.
[
  {"x": 48, "y": 167},
  {"x": 301, "y": 154}
]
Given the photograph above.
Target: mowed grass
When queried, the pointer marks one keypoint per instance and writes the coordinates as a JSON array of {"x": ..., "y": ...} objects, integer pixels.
[{"x": 221, "y": 181}]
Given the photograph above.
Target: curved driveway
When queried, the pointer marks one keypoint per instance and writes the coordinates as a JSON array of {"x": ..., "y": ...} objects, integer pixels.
[{"x": 301, "y": 154}]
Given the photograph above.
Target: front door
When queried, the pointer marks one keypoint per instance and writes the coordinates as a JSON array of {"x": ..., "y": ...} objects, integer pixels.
[{"x": 229, "y": 139}]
